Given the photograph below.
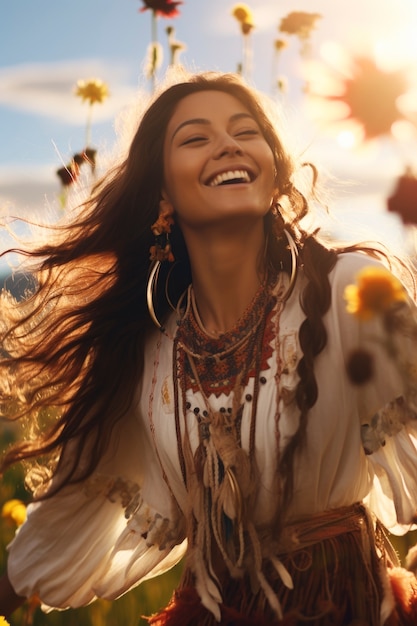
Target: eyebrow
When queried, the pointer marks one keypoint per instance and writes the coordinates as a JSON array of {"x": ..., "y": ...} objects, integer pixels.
[{"x": 202, "y": 120}]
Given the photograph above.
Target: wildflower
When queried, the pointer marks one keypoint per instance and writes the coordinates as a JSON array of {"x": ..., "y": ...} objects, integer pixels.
[
  {"x": 68, "y": 174},
  {"x": 280, "y": 44},
  {"x": 404, "y": 199},
  {"x": 175, "y": 47},
  {"x": 299, "y": 23},
  {"x": 244, "y": 16},
  {"x": 93, "y": 90},
  {"x": 89, "y": 155},
  {"x": 154, "y": 59},
  {"x": 375, "y": 293},
  {"x": 164, "y": 8},
  {"x": 15, "y": 511},
  {"x": 370, "y": 96},
  {"x": 282, "y": 84},
  {"x": 3, "y": 621}
]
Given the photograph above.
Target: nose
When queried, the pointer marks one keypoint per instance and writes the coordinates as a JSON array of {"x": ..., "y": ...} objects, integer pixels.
[{"x": 227, "y": 146}]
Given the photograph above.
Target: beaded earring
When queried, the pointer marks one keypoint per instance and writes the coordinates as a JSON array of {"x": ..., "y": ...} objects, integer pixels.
[{"x": 161, "y": 250}]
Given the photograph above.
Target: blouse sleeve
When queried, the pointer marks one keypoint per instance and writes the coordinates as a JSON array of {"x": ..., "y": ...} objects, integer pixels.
[
  {"x": 104, "y": 536},
  {"x": 388, "y": 409}
]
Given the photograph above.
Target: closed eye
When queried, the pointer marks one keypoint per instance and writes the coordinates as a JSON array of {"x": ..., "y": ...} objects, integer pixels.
[
  {"x": 247, "y": 131},
  {"x": 193, "y": 140}
]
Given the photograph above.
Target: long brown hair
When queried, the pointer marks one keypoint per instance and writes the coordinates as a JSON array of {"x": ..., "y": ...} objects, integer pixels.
[{"x": 73, "y": 350}]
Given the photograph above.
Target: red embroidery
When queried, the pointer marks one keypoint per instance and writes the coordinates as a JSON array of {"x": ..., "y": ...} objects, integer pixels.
[{"x": 218, "y": 361}]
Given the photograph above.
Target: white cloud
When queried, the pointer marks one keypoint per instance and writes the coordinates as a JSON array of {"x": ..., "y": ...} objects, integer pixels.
[
  {"x": 26, "y": 192},
  {"x": 48, "y": 89}
]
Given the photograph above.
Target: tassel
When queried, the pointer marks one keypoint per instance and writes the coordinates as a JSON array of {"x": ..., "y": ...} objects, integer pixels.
[
  {"x": 206, "y": 587},
  {"x": 230, "y": 497},
  {"x": 270, "y": 595},
  {"x": 282, "y": 572}
]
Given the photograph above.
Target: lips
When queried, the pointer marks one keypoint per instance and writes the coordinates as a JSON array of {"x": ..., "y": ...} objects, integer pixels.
[{"x": 229, "y": 177}]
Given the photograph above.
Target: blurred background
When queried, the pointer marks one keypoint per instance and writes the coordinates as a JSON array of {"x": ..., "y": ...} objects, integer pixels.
[{"x": 342, "y": 77}]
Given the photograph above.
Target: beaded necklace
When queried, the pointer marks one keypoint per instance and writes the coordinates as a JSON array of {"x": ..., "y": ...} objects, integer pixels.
[
  {"x": 220, "y": 476},
  {"x": 213, "y": 363}
]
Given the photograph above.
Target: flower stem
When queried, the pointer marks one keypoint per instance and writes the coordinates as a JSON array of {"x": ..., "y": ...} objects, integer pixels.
[
  {"x": 88, "y": 126},
  {"x": 154, "y": 37},
  {"x": 246, "y": 57}
]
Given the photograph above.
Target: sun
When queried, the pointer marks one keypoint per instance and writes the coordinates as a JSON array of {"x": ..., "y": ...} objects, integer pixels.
[
  {"x": 395, "y": 43},
  {"x": 367, "y": 89}
]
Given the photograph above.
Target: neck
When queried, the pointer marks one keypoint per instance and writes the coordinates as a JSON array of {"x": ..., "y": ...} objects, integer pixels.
[{"x": 227, "y": 272}]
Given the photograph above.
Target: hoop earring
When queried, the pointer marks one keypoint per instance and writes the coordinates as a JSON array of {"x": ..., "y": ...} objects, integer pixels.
[
  {"x": 150, "y": 291},
  {"x": 294, "y": 263},
  {"x": 168, "y": 299}
]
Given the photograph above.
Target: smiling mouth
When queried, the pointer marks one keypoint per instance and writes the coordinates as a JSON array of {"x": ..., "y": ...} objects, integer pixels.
[{"x": 232, "y": 177}]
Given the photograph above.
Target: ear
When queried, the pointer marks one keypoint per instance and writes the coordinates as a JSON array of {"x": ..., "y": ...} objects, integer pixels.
[{"x": 165, "y": 205}]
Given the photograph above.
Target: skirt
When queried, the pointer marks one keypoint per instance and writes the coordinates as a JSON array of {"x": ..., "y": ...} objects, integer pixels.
[{"x": 344, "y": 573}]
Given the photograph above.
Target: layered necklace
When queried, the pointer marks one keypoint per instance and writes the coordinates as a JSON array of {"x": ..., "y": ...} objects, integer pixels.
[{"x": 220, "y": 475}]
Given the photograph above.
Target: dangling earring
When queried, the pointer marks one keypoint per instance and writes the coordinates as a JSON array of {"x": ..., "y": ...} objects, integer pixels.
[
  {"x": 150, "y": 291},
  {"x": 278, "y": 228},
  {"x": 161, "y": 250},
  {"x": 294, "y": 262}
]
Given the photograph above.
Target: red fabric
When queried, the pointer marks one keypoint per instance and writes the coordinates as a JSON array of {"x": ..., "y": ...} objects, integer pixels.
[
  {"x": 404, "y": 588},
  {"x": 336, "y": 583},
  {"x": 185, "y": 609}
]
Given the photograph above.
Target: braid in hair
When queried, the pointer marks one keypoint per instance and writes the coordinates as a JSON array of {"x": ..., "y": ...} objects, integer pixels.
[{"x": 317, "y": 262}]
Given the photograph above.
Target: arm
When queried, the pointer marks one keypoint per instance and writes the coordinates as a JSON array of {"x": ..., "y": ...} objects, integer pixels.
[{"x": 9, "y": 600}]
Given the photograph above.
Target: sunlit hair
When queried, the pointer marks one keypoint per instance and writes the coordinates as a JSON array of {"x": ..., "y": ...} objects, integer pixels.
[{"x": 73, "y": 350}]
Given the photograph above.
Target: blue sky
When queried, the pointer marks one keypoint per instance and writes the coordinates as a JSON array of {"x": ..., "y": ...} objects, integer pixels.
[{"x": 47, "y": 45}]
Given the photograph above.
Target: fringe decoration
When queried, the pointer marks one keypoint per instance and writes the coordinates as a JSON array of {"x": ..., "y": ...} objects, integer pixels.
[
  {"x": 337, "y": 582},
  {"x": 185, "y": 609},
  {"x": 220, "y": 475}
]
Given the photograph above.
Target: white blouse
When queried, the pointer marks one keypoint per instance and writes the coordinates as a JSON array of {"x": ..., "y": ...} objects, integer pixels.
[{"x": 127, "y": 522}]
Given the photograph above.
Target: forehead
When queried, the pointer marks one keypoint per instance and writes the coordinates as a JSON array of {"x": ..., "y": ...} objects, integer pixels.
[{"x": 209, "y": 105}]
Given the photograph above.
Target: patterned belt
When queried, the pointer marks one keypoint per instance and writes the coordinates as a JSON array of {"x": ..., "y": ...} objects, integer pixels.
[{"x": 327, "y": 525}]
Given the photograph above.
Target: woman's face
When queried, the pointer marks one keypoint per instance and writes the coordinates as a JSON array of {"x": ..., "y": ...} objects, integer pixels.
[{"x": 217, "y": 164}]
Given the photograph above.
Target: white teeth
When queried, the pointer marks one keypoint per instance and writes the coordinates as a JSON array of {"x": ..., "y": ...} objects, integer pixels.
[{"x": 232, "y": 174}]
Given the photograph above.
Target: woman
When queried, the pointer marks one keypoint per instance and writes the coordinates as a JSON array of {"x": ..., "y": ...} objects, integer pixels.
[{"x": 226, "y": 431}]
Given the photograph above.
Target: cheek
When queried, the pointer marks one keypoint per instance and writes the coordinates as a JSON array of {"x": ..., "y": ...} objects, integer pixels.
[
  {"x": 180, "y": 192},
  {"x": 180, "y": 167}
]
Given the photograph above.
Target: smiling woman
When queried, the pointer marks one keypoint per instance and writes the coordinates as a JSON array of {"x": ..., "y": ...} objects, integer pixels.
[
  {"x": 191, "y": 338},
  {"x": 219, "y": 175}
]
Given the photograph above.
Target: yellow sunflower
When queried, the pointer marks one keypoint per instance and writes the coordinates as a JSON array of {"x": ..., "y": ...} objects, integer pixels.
[
  {"x": 15, "y": 511},
  {"x": 92, "y": 91},
  {"x": 374, "y": 293},
  {"x": 244, "y": 16}
]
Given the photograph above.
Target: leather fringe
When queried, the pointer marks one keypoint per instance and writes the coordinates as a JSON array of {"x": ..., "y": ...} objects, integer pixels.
[{"x": 335, "y": 584}]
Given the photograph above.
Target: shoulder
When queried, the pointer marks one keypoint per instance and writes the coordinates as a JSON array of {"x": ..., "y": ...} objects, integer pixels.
[
  {"x": 350, "y": 263},
  {"x": 347, "y": 267}
]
